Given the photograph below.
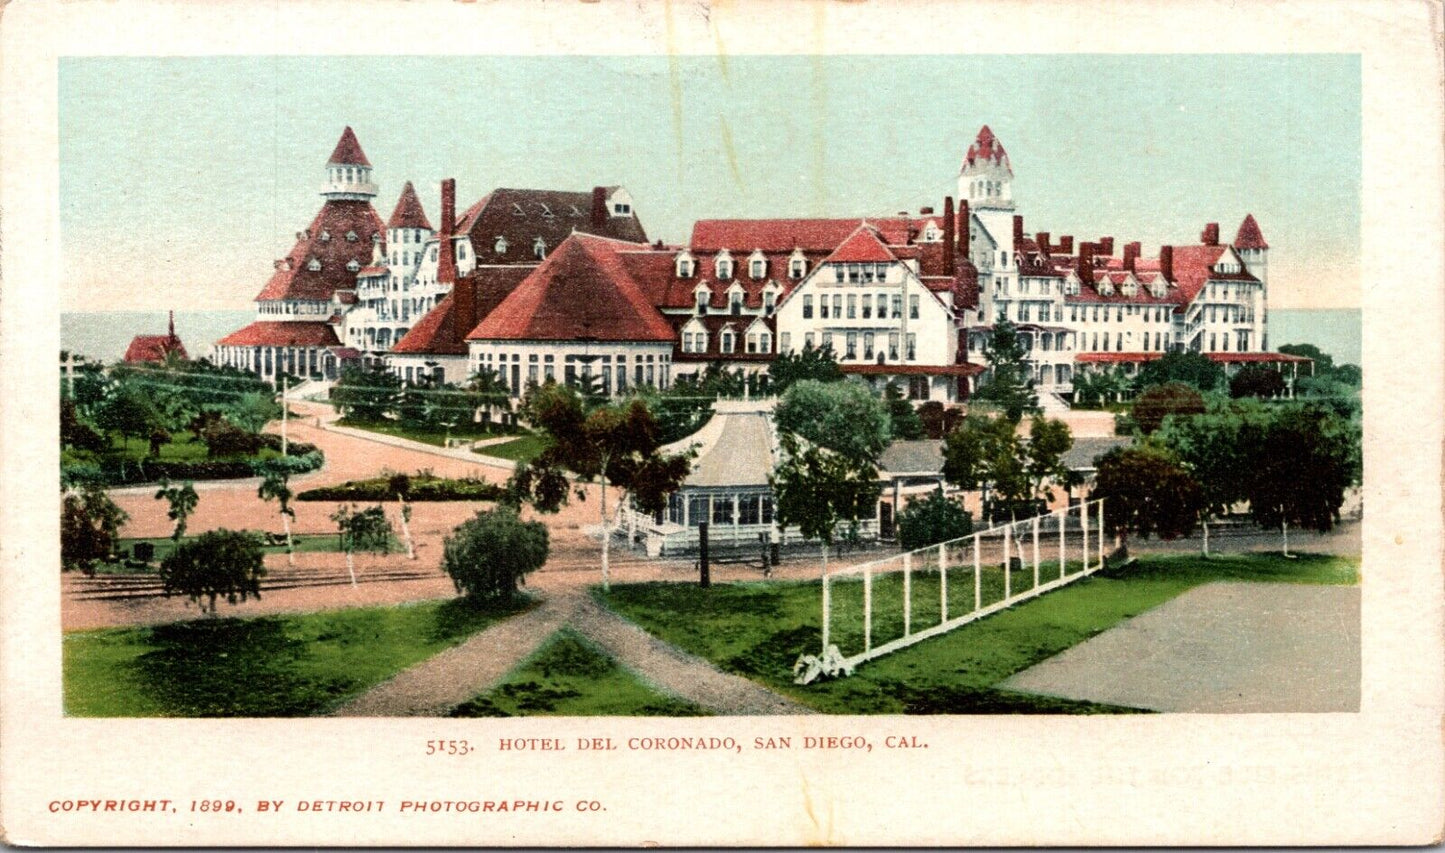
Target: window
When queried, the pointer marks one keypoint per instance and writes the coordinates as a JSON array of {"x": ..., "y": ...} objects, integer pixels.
[
  {"x": 758, "y": 268},
  {"x": 326, "y": 236},
  {"x": 1023, "y": 312},
  {"x": 702, "y": 299},
  {"x": 785, "y": 341},
  {"x": 893, "y": 346},
  {"x": 351, "y": 237},
  {"x": 1106, "y": 340},
  {"x": 918, "y": 387},
  {"x": 722, "y": 509},
  {"x": 517, "y": 210},
  {"x": 913, "y": 307},
  {"x": 868, "y": 346},
  {"x": 770, "y": 299},
  {"x": 867, "y": 307},
  {"x": 685, "y": 265},
  {"x": 837, "y": 306},
  {"x": 852, "y": 346},
  {"x": 313, "y": 265},
  {"x": 807, "y": 340},
  {"x": 797, "y": 267},
  {"x": 539, "y": 248},
  {"x": 728, "y": 341},
  {"x": 501, "y": 245},
  {"x": 765, "y": 342},
  {"x": 748, "y": 509},
  {"x": 735, "y": 303},
  {"x": 808, "y": 307},
  {"x": 882, "y": 305},
  {"x": 752, "y": 344},
  {"x": 912, "y": 346},
  {"x": 838, "y": 273},
  {"x": 621, "y": 209},
  {"x": 852, "y": 306},
  {"x": 827, "y": 340},
  {"x": 897, "y": 307},
  {"x": 724, "y": 266}
]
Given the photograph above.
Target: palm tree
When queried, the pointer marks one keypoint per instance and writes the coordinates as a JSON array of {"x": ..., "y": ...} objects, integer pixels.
[{"x": 276, "y": 486}]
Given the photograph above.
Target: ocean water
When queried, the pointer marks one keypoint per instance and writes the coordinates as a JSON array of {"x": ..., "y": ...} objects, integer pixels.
[{"x": 105, "y": 334}]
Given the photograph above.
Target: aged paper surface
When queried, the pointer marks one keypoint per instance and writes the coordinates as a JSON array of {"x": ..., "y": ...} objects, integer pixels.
[{"x": 89, "y": 87}]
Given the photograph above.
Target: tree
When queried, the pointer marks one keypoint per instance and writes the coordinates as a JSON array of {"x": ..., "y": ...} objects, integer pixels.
[
  {"x": 1255, "y": 381},
  {"x": 1210, "y": 445},
  {"x": 1300, "y": 468},
  {"x": 816, "y": 363},
  {"x": 400, "y": 485},
  {"x": 615, "y": 444},
  {"x": 252, "y": 411},
  {"x": 932, "y": 519},
  {"x": 276, "y": 486},
  {"x": 983, "y": 452},
  {"x": 842, "y": 416},
  {"x": 1190, "y": 368},
  {"x": 488, "y": 390},
  {"x": 216, "y": 563},
  {"x": 89, "y": 524},
  {"x": 365, "y": 530},
  {"x": 90, "y": 387},
  {"x": 818, "y": 489},
  {"x": 1009, "y": 382},
  {"x": 939, "y": 420},
  {"x": 488, "y": 555},
  {"x": 181, "y": 502},
  {"x": 1146, "y": 490},
  {"x": 1100, "y": 386},
  {"x": 1158, "y": 402},
  {"x": 76, "y": 433},
  {"x": 126, "y": 412},
  {"x": 365, "y": 393},
  {"x": 1044, "y": 463},
  {"x": 907, "y": 425},
  {"x": 1323, "y": 362}
]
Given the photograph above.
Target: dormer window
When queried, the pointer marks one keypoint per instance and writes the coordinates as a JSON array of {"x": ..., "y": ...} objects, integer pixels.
[
  {"x": 517, "y": 210},
  {"x": 686, "y": 265},
  {"x": 701, "y": 300},
  {"x": 621, "y": 209},
  {"x": 723, "y": 266},
  {"x": 1106, "y": 288},
  {"x": 539, "y": 248},
  {"x": 931, "y": 234},
  {"x": 1071, "y": 286},
  {"x": 433, "y": 254},
  {"x": 461, "y": 251},
  {"x": 1160, "y": 291},
  {"x": 1130, "y": 288},
  {"x": 770, "y": 302},
  {"x": 546, "y": 212},
  {"x": 735, "y": 302},
  {"x": 500, "y": 247},
  {"x": 314, "y": 265},
  {"x": 797, "y": 266},
  {"x": 351, "y": 237},
  {"x": 326, "y": 236},
  {"x": 352, "y": 265},
  {"x": 576, "y": 211},
  {"x": 729, "y": 341},
  {"x": 376, "y": 238},
  {"x": 757, "y": 265}
]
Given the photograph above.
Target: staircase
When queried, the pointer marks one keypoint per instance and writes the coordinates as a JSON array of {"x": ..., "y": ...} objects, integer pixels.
[{"x": 1052, "y": 403}]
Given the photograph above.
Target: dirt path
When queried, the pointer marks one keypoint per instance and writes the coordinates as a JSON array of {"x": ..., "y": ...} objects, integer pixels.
[{"x": 444, "y": 681}]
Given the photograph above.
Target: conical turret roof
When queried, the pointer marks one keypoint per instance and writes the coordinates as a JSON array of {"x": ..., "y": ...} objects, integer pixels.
[
  {"x": 348, "y": 151},
  {"x": 1249, "y": 236},
  {"x": 986, "y": 148},
  {"x": 408, "y": 212}
]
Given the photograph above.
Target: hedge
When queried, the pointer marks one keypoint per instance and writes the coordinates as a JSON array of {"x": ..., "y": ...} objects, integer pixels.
[
  {"x": 422, "y": 489},
  {"x": 122, "y": 472}
]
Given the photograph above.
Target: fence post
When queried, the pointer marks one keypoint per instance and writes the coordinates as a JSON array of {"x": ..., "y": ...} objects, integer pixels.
[
  {"x": 827, "y": 612},
  {"x": 907, "y": 594},
  {"x": 867, "y": 608},
  {"x": 977, "y": 575},
  {"x": 942, "y": 584},
  {"x": 1101, "y": 533},
  {"x": 1007, "y": 563},
  {"x": 1036, "y": 552},
  {"x": 1084, "y": 526},
  {"x": 1063, "y": 550}
]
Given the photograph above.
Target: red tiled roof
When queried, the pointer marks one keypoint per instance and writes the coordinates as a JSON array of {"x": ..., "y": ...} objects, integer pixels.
[
  {"x": 552, "y": 215},
  {"x": 1249, "y": 236},
  {"x": 280, "y": 333},
  {"x": 1116, "y": 357},
  {"x": 863, "y": 246},
  {"x": 986, "y": 147},
  {"x": 336, "y": 219},
  {"x": 437, "y": 332},
  {"x": 583, "y": 291},
  {"x": 784, "y": 235},
  {"x": 154, "y": 348},
  {"x": 408, "y": 212},
  {"x": 1255, "y": 357},
  {"x": 913, "y": 369},
  {"x": 714, "y": 324},
  {"x": 348, "y": 151}
]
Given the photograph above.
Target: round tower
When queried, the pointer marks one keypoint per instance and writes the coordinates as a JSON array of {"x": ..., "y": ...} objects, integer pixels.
[
  {"x": 986, "y": 179},
  {"x": 1249, "y": 244},
  {"x": 348, "y": 172}
]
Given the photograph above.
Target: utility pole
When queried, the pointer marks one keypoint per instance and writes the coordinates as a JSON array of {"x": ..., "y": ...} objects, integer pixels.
[{"x": 284, "y": 446}]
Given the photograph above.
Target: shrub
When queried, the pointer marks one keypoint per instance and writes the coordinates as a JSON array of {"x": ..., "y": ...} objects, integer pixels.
[
  {"x": 89, "y": 523},
  {"x": 216, "y": 563},
  {"x": 1255, "y": 381},
  {"x": 488, "y": 555},
  {"x": 422, "y": 488},
  {"x": 223, "y": 438},
  {"x": 1160, "y": 401},
  {"x": 930, "y": 520}
]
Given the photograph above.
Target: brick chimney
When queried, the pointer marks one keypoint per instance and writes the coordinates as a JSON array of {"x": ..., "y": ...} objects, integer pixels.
[
  {"x": 446, "y": 252},
  {"x": 1042, "y": 238},
  {"x": 1066, "y": 244},
  {"x": 1105, "y": 247},
  {"x": 1086, "y": 261},
  {"x": 1210, "y": 237},
  {"x": 950, "y": 235},
  {"x": 925, "y": 211},
  {"x": 599, "y": 207},
  {"x": 1018, "y": 230},
  {"x": 1131, "y": 254},
  {"x": 964, "y": 223},
  {"x": 1166, "y": 262}
]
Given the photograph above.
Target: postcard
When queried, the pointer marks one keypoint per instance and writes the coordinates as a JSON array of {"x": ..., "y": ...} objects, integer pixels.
[{"x": 817, "y": 423}]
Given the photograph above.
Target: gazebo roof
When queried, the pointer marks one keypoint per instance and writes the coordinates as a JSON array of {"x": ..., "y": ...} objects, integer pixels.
[{"x": 736, "y": 448}]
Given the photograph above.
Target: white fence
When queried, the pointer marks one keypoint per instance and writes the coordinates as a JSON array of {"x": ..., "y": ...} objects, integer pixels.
[{"x": 874, "y": 608}]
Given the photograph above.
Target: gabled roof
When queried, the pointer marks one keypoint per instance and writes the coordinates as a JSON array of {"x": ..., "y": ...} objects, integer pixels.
[
  {"x": 862, "y": 247},
  {"x": 582, "y": 291},
  {"x": 296, "y": 280},
  {"x": 1249, "y": 236},
  {"x": 348, "y": 151},
  {"x": 784, "y": 235},
  {"x": 408, "y": 212},
  {"x": 281, "y": 333},
  {"x": 154, "y": 348},
  {"x": 521, "y": 216},
  {"x": 437, "y": 333}
]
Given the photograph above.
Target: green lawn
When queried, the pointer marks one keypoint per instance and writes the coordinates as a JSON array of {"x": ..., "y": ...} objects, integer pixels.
[
  {"x": 570, "y": 677},
  {"x": 435, "y": 435},
  {"x": 758, "y": 629},
  {"x": 271, "y": 666},
  {"x": 522, "y": 449}
]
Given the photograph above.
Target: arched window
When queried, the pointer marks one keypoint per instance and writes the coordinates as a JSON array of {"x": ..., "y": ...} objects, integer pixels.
[
  {"x": 686, "y": 265},
  {"x": 314, "y": 265},
  {"x": 501, "y": 245},
  {"x": 723, "y": 266}
]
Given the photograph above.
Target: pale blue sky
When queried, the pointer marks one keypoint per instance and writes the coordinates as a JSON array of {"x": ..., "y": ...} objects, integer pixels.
[{"x": 181, "y": 179}]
